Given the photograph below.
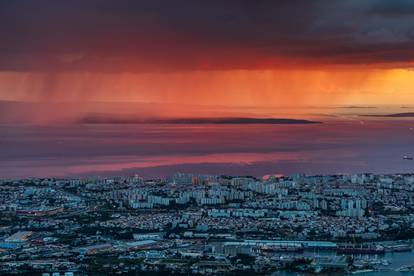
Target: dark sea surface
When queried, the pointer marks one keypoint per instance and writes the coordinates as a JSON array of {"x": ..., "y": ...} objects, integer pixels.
[
  {"x": 335, "y": 146},
  {"x": 397, "y": 260}
]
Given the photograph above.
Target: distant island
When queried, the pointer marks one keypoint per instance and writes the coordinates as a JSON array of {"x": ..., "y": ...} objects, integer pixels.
[
  {"x": 358, "y": 107},
  {"x": 395, "y": 115},
  {"x": 221, "y": 121}
]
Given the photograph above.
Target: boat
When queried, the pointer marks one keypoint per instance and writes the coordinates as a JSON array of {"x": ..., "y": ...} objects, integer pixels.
[{"x": 362, "y": 271}]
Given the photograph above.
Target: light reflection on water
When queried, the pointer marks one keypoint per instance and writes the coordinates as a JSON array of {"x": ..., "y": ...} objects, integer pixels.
[{"x": 157, "y": 150}]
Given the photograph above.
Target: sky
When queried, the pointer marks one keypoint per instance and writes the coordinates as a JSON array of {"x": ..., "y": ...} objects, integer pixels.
[
  {"x": 229, "y": 53},
  {"x": 70, "y": 69}
]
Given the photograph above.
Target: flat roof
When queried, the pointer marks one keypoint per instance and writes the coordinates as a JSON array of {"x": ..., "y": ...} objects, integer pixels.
[
  {"x": 140, "y": 243},
  {"x": 19, "y": 236}
]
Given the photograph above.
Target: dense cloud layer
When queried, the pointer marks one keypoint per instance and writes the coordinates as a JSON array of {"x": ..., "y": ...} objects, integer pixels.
[{"x": 160, "y": 35}]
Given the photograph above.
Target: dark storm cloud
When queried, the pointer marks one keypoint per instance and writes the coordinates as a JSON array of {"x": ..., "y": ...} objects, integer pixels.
[
  {"x": 126, "y": 35},
  {"x": 394, "y": 8}
]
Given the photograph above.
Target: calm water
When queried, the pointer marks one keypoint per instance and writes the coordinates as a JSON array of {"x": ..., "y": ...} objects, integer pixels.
[{"x": 332, "y": 147}]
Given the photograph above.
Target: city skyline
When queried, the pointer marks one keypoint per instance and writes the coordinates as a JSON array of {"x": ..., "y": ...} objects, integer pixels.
[{"x": 206, "y": 137}]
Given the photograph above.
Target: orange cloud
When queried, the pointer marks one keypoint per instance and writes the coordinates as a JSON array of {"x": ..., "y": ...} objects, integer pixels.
[{"x": 227, "y": 88}]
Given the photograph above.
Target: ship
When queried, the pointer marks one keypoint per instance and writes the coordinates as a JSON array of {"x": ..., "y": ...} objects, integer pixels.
[
  {"x": 360, "y": 250},
  {"x": 398, "y": 248},
  {"x": 406, "y": 157}
]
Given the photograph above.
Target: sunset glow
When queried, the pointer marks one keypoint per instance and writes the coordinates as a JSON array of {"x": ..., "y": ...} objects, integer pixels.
[
  {"x": 164, "y": 70},
  {"x": 216, "y": 87}
]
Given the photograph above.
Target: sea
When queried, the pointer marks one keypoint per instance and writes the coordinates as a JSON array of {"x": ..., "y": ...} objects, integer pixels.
[{"x": 156, "y": 150}]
